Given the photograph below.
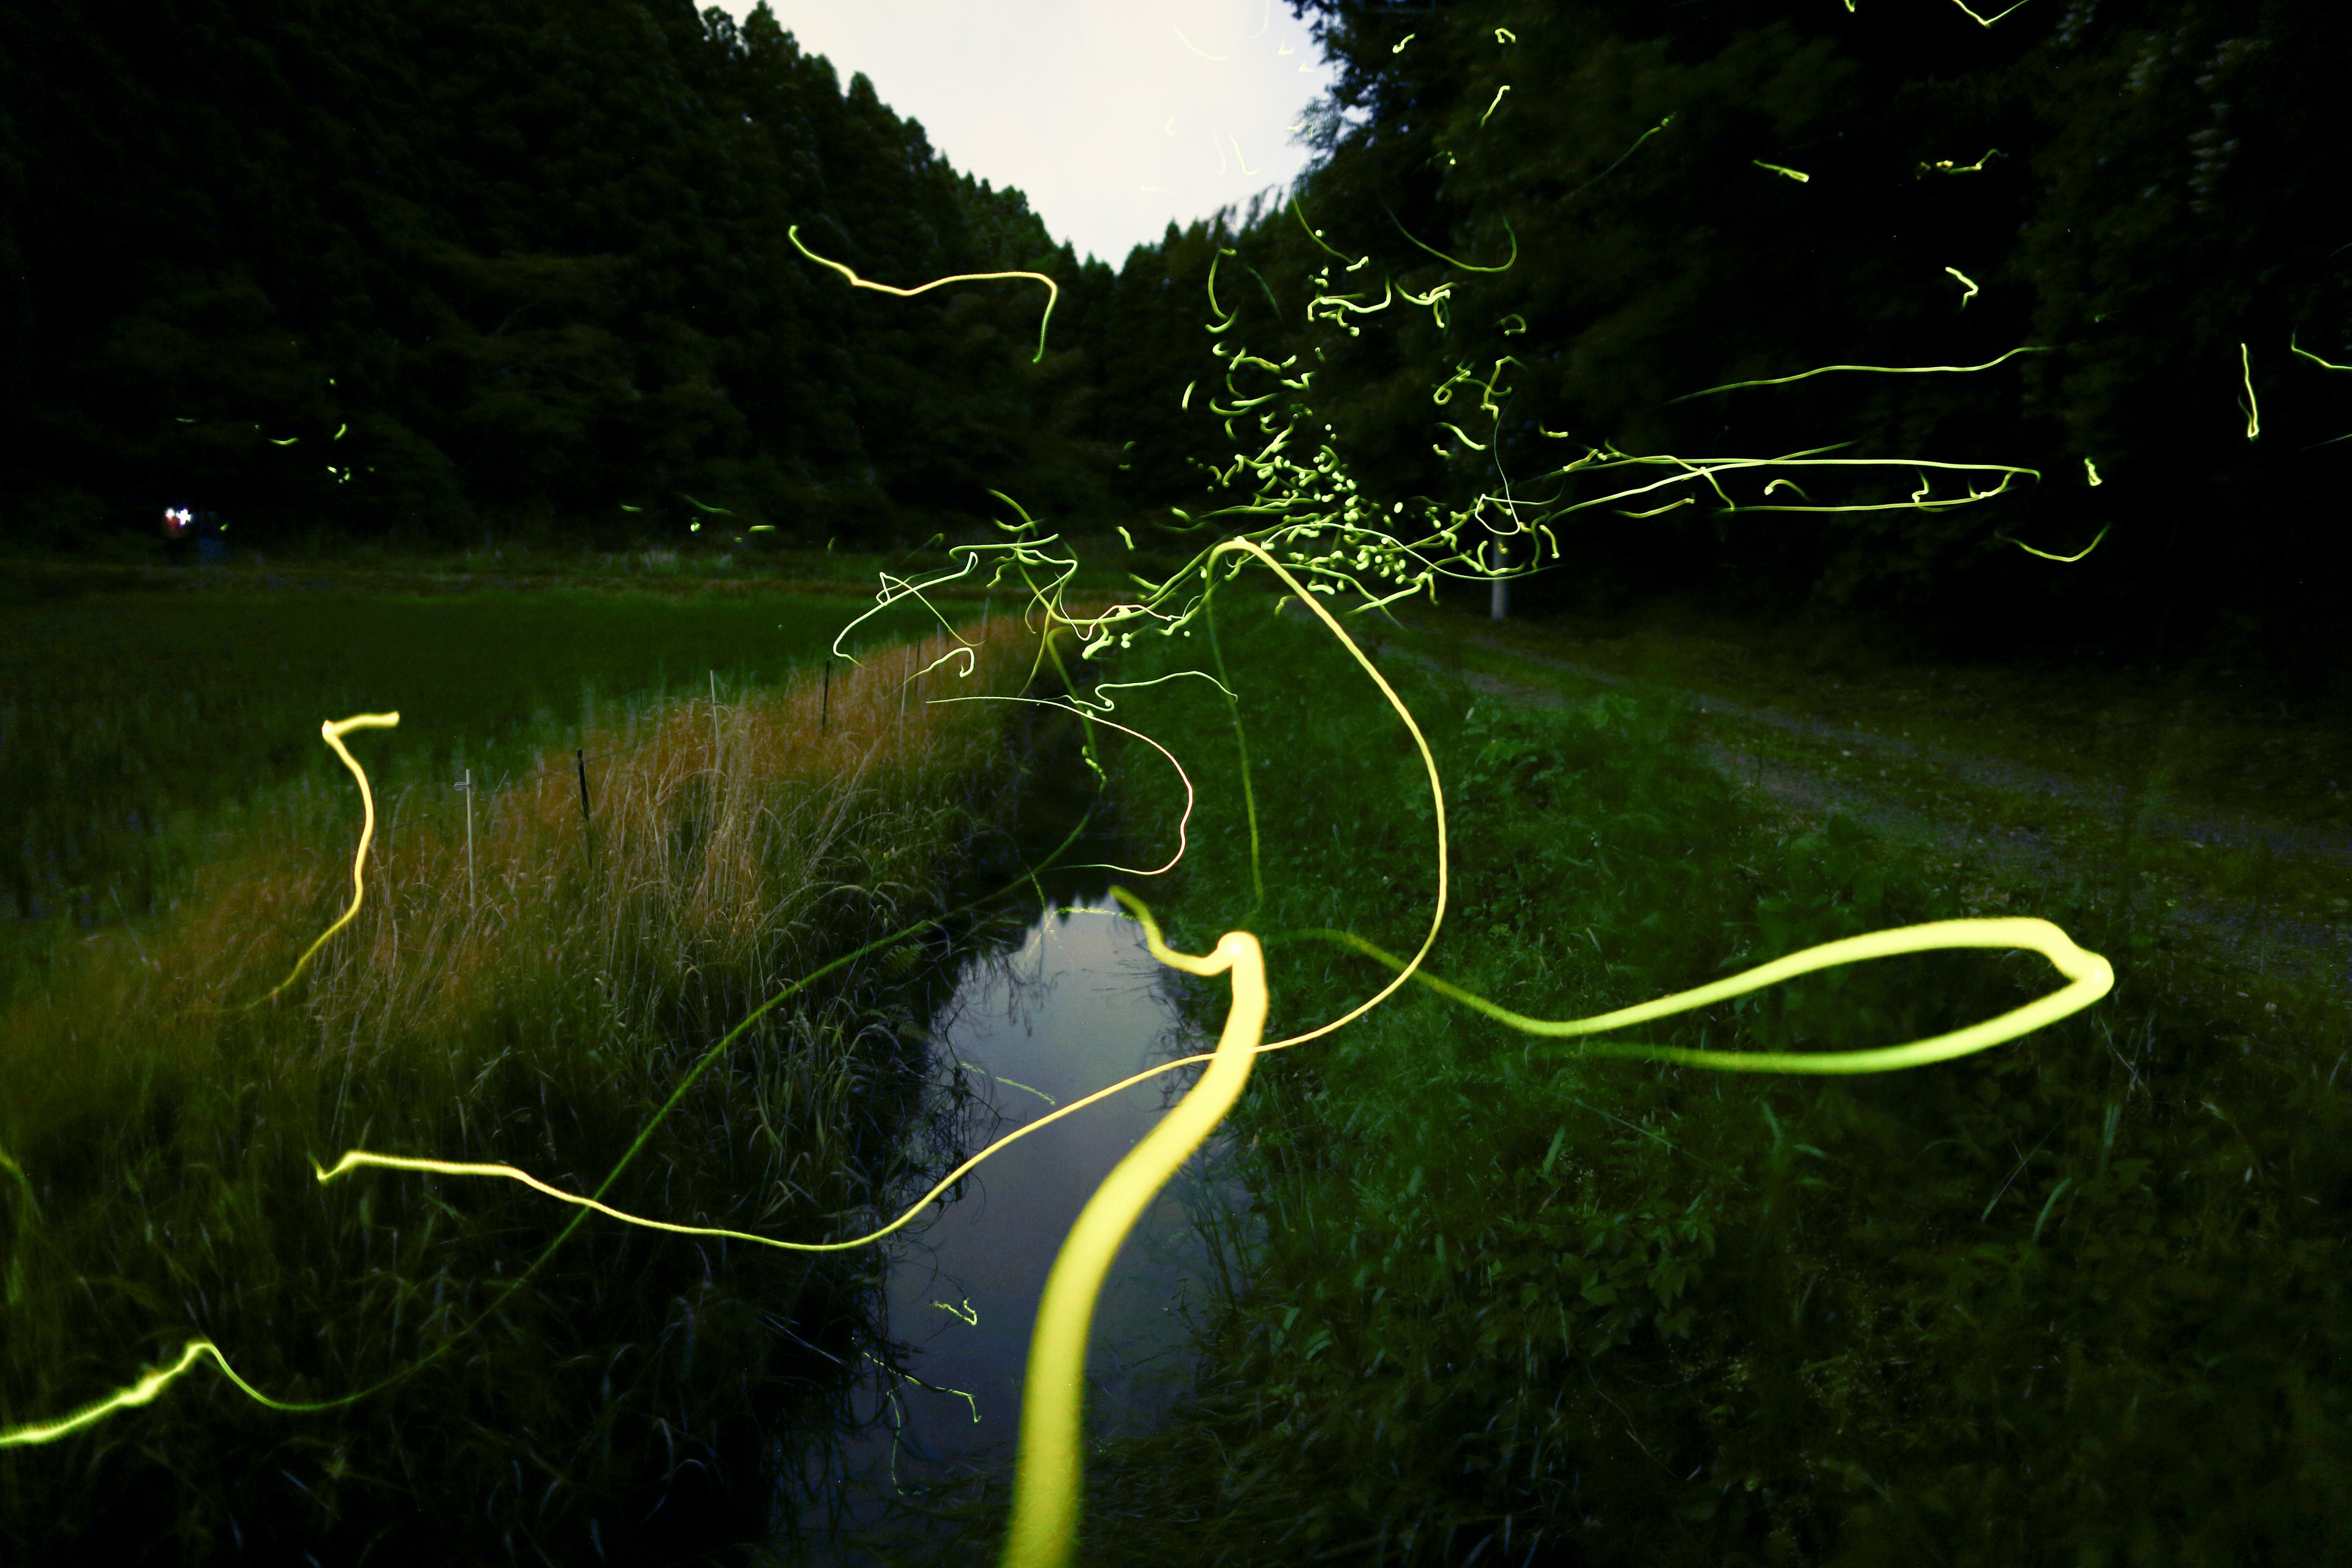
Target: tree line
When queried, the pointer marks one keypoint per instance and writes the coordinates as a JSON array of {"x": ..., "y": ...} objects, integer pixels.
[
  {"x": 436, "y": 271},
  {"x": 2141, "y": 197}
]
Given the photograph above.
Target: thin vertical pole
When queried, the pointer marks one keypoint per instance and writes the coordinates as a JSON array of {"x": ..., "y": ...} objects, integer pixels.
[
  {"x": 473, "y": 904},
  {"x": 580, "y": 756},
  {"x": 714, "y": 720}
]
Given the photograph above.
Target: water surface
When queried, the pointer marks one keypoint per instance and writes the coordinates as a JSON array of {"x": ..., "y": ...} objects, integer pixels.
[{"x": 1078, "y": 1003}]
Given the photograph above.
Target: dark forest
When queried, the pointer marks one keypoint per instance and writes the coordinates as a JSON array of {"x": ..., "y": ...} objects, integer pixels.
[{"x": 432, "y": 272}]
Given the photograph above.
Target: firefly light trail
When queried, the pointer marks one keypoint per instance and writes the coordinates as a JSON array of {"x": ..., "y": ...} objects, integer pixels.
[{"x": 1327, "y": 539}]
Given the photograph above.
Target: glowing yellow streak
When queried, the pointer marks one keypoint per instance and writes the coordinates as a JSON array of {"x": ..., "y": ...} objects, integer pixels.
[
  {"x": 1505, "y": 36},
  {"x": 22, "y": 1180},
  {"x": 1047, "y": 1489},
  {"x": 2091, "y": 977},
  {"x": 1499, "y": 99},
  {"x": 1346, "y": 302},
  {"x": 1053, "y": 289},
  {"x": 355, "y": 1159},
  {"x": 1655, "y": 511},
  {"x": 2253, "y": 409},
  {"x": 1966, "y": 283},
  {"x": 1874, "y": 369},
  {"x": 1047, "y": 1483},
  {"x": 1799, "y": 175},
  {"x": 1514, "y": 331},
  {"x": 332, "y": 733},
  {"x": 1245, "y": 358},
  {"x": 1980, "y": 21},
  {"x": 288, "y": 442},
  {"x": 152, "y": 1382},
  {"x": 1441, "y": 256},
  {"x": 2091, "y": 469},
  {"x": 1215, "y": 309},
  {"x": 1465, "y": 440},
  {"x": 1716, "y": 464},
  {"x": 2294, "y": 348},
  {"x": 1186, "y": 401},
  {"x": 895, "y": 589},
  {"x": 1428, "y": 763},
  {"x": 1628, "y": 153},
  {"x": 2077, "y": 556},
  {"x": 1181, "y": 823},
  {"x": 1946, "y": 166},
  {"x": 1917, "y": 502},
  {"x": 968, "y": 1314},
  {"x": 1240, "y": 160},
  {"x": 1400, "y": 43},
  {"x": 1436, "y": 296},
  {"x": 1193, "y": 47},
  {"x": 1010, "y": 1083},
  {"x": 147, "y": 1387}
]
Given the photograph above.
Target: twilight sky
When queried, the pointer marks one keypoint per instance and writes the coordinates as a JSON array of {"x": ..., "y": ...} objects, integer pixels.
[{"x": 1112, "y": 115}]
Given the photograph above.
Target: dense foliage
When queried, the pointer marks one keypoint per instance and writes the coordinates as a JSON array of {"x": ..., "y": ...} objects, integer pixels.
[
  {"x": 2134, "y": 190},
  {"x": 438, "y": 269}
]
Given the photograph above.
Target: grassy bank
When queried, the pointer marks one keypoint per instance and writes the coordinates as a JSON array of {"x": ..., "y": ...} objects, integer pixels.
[
  {"x": 2077, "y": 1299},
  {"x": 140, "y": 720},
  {"x": 535, "y": 999}
]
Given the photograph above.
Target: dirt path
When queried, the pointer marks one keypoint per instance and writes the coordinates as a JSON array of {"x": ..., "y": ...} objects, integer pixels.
[{"x": 2263, "y": 900}]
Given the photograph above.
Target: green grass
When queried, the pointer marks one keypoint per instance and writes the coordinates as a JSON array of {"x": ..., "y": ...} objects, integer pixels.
[
  {"x": 2250, "y": 927},
  {"x": 536, "y": 1002},
  {"x": 2202, "y": 728},
  {"x": 138, "y": 722},
  {"x": 2075, "y": 1299}
]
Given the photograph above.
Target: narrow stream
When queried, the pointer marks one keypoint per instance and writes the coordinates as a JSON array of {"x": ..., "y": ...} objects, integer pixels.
[{"x": 1076, "y": 1004}]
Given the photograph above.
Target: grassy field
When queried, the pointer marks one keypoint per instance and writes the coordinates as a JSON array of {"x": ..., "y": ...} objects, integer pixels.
[
  {"x": 140, "y": 719},
  {"x": 536, "y": 994},
  {"x": 2074, "y": 1299},
  {"x": 2208, "y": 804}
]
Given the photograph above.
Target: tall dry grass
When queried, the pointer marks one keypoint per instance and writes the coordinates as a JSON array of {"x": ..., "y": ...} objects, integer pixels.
[{"x": 538, "y": 1010}]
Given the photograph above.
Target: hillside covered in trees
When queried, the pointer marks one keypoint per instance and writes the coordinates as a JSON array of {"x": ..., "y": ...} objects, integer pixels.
[{"x": 433, "y": 270}]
